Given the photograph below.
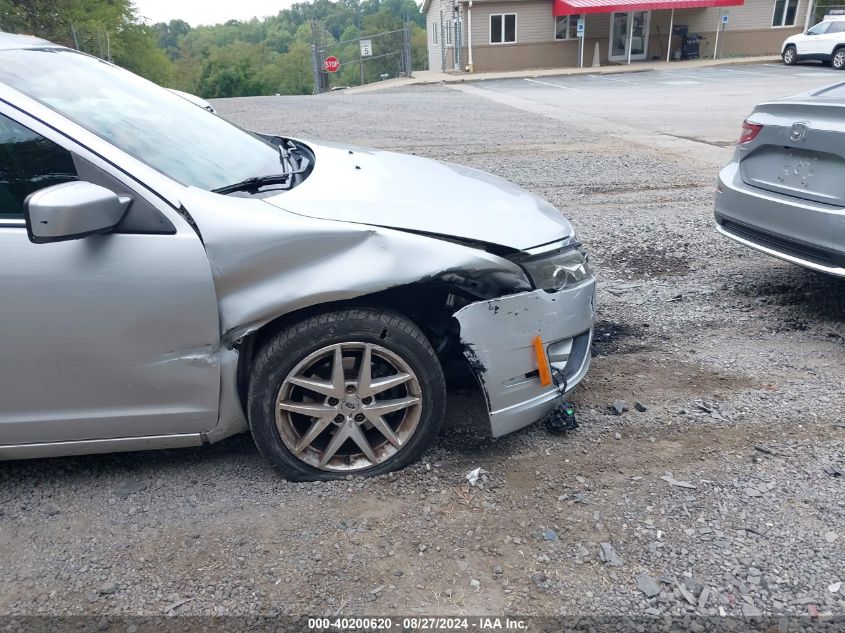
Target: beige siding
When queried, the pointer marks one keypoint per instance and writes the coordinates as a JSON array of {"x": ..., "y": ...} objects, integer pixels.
[
  {"x": 753, "y": 15},
  {"x": 432, "y": 23},
  {"x": 534, "y": 21},
  {"x": 438, "y": 15}
]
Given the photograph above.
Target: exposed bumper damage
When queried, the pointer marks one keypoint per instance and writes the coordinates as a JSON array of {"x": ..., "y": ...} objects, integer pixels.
[{"x": 497, "y": 336}]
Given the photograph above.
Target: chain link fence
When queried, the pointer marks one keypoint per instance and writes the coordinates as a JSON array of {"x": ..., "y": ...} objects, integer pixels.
[{"x": 359, "y": 61}]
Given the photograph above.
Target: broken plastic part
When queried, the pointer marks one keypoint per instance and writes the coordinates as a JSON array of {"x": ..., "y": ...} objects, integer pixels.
[{"x": 542, "y": 362}]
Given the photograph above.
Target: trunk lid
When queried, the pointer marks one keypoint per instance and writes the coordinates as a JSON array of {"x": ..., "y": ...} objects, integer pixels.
[{"x": 800, "y": 151}]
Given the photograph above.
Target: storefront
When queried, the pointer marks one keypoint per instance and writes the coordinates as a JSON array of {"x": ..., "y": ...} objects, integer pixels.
[{"x": 501, "y": 35}]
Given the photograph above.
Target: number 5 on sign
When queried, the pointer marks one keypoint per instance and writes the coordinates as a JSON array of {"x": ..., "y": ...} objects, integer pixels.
[{"x": 366, "y": 48}]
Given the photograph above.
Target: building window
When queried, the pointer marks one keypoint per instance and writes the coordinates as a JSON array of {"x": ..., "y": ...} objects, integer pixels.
[
  {"x": 503, "y": 28},
  {"x": 566, "y": 27},
  {"x": 434, "y": 31},
  {"x": 450, "y": 27},
  {"x": 785, "y": 13}
]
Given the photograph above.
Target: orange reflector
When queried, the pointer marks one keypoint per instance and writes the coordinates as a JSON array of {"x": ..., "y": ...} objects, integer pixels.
[{"x": 542, "y": 362}]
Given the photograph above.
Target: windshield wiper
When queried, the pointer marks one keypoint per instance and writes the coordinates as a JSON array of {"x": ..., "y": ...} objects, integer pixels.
[
  {"x": 256, "y": 182},
  {"x": 289, "y": 177}
]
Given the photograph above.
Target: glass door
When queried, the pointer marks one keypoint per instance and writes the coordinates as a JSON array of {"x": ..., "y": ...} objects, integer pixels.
[{"x": 629, "y": 28}]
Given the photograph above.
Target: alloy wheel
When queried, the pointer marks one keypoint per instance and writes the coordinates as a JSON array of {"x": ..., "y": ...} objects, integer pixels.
[
  {"x": 348, "y": 407},
  {"x": 789, "y": 56},
  {"x": 839, "y": 59}
]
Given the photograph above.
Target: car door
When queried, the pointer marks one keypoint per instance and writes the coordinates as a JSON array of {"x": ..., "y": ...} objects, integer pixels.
[
  {"x": 108, "y": 336},
  {"x": 812, "y": 43},
  {"x": 834, "y": 35}
]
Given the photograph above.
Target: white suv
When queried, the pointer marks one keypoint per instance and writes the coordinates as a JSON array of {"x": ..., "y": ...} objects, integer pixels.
[{"x": 824, "y": 42}]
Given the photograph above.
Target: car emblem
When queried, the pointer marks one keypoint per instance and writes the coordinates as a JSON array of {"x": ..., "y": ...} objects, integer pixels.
[{"x": 798, "y": 131}]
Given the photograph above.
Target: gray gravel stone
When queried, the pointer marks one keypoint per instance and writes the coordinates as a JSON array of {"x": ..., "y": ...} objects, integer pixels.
[{"x": 647, "y": 585}]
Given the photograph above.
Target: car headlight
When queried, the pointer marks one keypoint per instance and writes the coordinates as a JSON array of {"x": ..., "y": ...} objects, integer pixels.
[{"x": 556, "y": 270}]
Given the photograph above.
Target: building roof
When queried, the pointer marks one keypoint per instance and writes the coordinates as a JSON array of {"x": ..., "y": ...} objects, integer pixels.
[
  {"x": 427, "y": 3},
  {"x": 569, "y": 7},
  {"x": 11, "y": 40}
]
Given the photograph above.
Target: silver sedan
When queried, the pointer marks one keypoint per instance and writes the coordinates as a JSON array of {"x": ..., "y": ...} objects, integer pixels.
[
  {"x": 169, "y": 279},
  {"x": 783, "y": 193}
]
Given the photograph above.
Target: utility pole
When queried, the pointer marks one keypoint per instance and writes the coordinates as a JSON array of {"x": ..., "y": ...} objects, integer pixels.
[
  {"x": 442, "y": 42},
  {"x": 456, "y": 55},
  {"x": 360, "y": 56},
  {"x": 75, "y": 39}
]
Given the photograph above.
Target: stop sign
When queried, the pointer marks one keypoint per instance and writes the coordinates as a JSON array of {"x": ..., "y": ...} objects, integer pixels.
[{"x": 332, "y": 64}]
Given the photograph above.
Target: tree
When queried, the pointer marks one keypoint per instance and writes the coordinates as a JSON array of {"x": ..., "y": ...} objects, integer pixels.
[{"x": 236, "y": 58}]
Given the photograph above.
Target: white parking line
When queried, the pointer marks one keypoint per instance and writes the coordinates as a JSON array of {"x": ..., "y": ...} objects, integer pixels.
[
  {"x": 814, "y": 73},
  {"x": 546, "y": 83},
  {"x": 680, "y": 82},
  {"x": 624, "y": 81},
  {"x": 698, "y": 77},
  {"x": 744, "y": 72}
]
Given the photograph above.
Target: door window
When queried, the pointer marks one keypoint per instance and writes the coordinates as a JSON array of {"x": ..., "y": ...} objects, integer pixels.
[
  {"x": 28, "y": 162},
  {"x": 619, "y": 37},
  {"x": 629, "y": 29}
]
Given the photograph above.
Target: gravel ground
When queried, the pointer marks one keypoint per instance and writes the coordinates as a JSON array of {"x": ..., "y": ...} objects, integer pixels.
[{"x": 718, "y": 490}]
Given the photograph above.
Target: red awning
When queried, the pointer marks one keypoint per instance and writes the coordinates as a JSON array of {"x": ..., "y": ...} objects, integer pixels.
[{"x": 569, "y": 7}]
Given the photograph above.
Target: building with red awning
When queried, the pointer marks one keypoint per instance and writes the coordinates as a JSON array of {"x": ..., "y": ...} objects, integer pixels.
[{"x": 502, "y": 35}]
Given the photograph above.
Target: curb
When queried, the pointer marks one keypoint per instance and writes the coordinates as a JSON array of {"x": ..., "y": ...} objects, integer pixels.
[{"x": 533, "y": 73}]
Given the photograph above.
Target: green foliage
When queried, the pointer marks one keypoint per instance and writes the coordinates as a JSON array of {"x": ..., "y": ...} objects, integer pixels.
[
  {"x": 106, "y": 28},
  {"x": 273, "y": 55},
  {"x": 255, "y": 57}
]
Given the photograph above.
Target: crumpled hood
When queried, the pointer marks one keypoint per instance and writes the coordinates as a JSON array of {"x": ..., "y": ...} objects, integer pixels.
[{"x": 399, "y": 191}]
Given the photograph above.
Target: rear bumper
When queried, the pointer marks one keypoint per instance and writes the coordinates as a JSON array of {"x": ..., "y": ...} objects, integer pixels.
[
  {"x": 799, "y": 231},
  {"x": 497, "y": 337}
]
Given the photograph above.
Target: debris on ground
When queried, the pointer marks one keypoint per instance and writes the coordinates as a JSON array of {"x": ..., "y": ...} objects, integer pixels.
[
  {"x": 647, "y": 585},
  {"x": 608, "y": 555},
  {"x": 676, "y": 482},
  {"x": 473, "y": 475},
  {"x": 617, "y": 407}
]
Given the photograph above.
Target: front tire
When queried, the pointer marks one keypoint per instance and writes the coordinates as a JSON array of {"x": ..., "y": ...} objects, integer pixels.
[
  {"x": 790, "y": 56},
  {"x": 351, "y": 392},
  {"x": 838, "y": 59}
]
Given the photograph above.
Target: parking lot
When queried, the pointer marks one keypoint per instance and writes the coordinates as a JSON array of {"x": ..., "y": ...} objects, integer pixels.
[
  {"x": 724, "y": 484},
  {"x": 705, "y": 104}
]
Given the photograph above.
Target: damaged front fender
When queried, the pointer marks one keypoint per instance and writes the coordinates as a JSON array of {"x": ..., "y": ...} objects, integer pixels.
[{"x": 267, "y": 262}]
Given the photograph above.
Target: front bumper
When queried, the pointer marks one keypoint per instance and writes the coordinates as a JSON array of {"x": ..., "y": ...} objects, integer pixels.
[
  {"x": 497, "y": 336},
  {"x": 796, "y": 230}
]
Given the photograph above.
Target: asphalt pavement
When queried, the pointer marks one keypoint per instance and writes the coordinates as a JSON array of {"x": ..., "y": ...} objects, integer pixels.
[{"x": 706, "y": 105}]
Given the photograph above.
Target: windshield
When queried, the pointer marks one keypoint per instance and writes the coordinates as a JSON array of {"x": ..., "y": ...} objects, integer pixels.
[{"x": 179, "y": 139}]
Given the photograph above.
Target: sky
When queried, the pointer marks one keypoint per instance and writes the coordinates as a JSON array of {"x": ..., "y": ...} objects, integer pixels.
[{"x": 197, "y": 12}]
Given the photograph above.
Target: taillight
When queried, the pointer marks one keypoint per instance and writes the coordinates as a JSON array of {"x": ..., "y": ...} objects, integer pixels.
[{"x": 749, "y": 131}]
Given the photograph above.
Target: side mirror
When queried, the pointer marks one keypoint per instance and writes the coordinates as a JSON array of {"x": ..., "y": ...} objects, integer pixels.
[{"x": 72, "y": 210}]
